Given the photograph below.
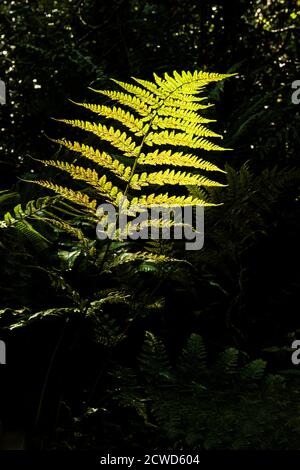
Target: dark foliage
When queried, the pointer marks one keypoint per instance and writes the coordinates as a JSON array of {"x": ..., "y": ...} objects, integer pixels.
[{"x": 106, "y": 348}]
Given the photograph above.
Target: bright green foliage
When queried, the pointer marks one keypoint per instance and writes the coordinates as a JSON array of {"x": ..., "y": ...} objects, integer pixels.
[
  {"x": 20, "y": 216},
  {"x": 157, "y": 124},
  {"x": 32, "y": 209},
  {"x": 45, "y": 210}
]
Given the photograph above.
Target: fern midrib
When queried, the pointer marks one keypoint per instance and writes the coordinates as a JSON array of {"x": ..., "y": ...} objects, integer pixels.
[
  {"x": 146, "y": 134},
  {"x": 135, "y": 163}
]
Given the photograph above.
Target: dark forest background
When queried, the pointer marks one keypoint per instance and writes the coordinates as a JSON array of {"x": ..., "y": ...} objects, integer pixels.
[{"x": 195, "y": 354}]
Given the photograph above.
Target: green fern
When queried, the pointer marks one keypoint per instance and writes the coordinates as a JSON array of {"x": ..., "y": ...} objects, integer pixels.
[
  {"x": 31, "y": 210},
  {"x": 193, "y": 359},
  {"x": 154, "y": 360},
  {"x": 227, "y": 364},
  {"x": 48, "y": 210},
  {"x": 20, "y": 216},
  {"x": 153, "y": 118},
  {"x": 254, "y": 371},
  {"x": 199, "y": 409}
]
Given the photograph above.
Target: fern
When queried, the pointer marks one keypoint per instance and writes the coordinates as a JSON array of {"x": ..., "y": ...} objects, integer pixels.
[
  {"x": 22, "y": 216},
  {"x": 200, "y": 410},
  {"x": 153, "y": 359},
  {"x": 19, "y": 217},
  {"x": 253, "y": 371},
  {"x": 193, "y": 359},
  {"x": 30, "y": 318},
  {"x": 152, "y": 118},
  {"x": 31, "y": 210},
  {"x": 227, "y": 364}
]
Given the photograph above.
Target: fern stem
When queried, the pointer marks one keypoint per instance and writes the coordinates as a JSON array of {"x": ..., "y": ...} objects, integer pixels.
[{"x": 127, "y": 188}]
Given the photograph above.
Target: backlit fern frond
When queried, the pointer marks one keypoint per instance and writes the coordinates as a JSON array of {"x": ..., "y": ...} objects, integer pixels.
[
  {"x": 127, "y": 100},
  {"x": 139, "y": 256},
  {"x": 73, "y": 196},
  {"x": 116, "y": 138},
  {"x": 187, "y": 126},
  {"x": 30, "y": 210},
  {"x": 170, "y": 177},
  {"x": 167, "y": 157},
  {"x": 134, "y": 124},
  {"x": 165, "y": 199},
  {"x": 21, "y": 216},
  {"x": 180, "y": 139},
  {"x": 100, "y": 158},
  {"x": 90, "y": 176},
  {"x": 151, "y": 119}
]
